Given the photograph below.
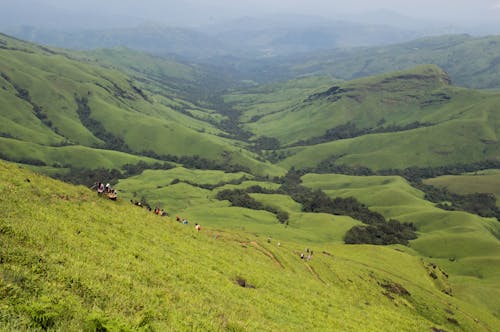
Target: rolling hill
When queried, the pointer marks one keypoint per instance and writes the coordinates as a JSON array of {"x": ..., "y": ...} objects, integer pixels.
[
  {"x": 62, "y": 103},
  {"x": 396, "y": 120},
  {"x": 487, "y": 181}
]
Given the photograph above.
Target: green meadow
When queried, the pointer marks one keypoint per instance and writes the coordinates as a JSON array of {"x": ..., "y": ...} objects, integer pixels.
[
  {"x": 94, "y": 264},
  {"x": 487, "y": 181},
  {"x": 44, "y": 87},
  {"x": 464, "y": 244}
]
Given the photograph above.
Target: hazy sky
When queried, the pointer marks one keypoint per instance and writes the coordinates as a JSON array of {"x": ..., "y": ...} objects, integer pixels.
[
  {"x": 445, "y": 10},
  {"x": 200, "y": 12}
]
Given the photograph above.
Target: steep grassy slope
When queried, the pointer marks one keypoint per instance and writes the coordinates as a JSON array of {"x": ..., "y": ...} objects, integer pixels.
[
  {"x": 467, "y": 246},
  {"x": 487, "y": 181},
  {"x": 51, "y": 99},
  {"x": 396, "y": 120},
  {"x": 73, "y": 261}
]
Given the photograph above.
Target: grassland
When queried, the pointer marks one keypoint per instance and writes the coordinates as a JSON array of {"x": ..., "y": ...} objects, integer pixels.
[
  {"x": 42, "y": 86},
  {"x": 180, "y": 192},
  {"x": 465, "y": 245},
  {"x": 487, "y": 181},
  {"x": 450, "y": 125},
  {"x": 74, "y": 261}
]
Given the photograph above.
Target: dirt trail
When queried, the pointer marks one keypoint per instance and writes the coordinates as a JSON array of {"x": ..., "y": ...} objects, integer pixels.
[
  {"x": 314, "y": 273},
  {"x": 265, "y": 252}
]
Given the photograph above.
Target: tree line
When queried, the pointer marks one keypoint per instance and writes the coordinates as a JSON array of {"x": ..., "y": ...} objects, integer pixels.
[
  {"x": 378, "y": 231},
  {"x": 241, "y": 198},
  {"x": 482, "y": 204}
]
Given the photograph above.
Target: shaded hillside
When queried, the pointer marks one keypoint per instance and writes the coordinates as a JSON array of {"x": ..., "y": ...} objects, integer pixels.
[{"x": 93, "y": 264}]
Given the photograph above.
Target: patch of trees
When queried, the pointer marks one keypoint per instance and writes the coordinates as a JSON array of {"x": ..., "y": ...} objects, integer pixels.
[
  {"x": 390, "y": 232},
  {"x": 208, "y": 186},
  {"x": 415, "y": 174},
  {"x": 232, "y": 124},
  {"x": 88, "y": 177},
  {"x": 111, "y": 141},
  {"x": 24, "y": 160},
  {"x": 349, "y": 130},
  {"x": 197, "y": 162},
  {"x": 24, "y": 95},
  {"x": 378, "y": 231},
  {"x": 241, "y": 198},
  {"x": 329, "y": 166},
  {"x": 135, "y": 169},
  {"x": 482, "y": 204},
  {"x": 266, "y": 143}
]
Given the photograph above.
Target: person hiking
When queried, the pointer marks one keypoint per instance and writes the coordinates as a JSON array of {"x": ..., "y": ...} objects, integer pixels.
[
  {"x": 100, "y": 188},
  {"x": 112, "y": 195}
]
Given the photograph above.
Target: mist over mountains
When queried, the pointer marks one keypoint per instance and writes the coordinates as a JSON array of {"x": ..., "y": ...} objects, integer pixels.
[{"x": 196, "y": 30}]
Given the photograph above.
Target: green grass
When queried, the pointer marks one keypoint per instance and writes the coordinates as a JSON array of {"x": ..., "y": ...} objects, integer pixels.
[
  {"x": 487, "y": 181},
  {"x": 74, "y": 156},
  {"x": 454, "y": 239},
  {"x": 159, "y": 121},
  {"x": 73, "y": 261},
  {"x": 457, "y": 125}
]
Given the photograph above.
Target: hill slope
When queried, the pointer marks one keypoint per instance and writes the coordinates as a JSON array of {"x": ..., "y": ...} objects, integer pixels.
[
  {"x": 396, "y": 120},
  {"x": 71, "y": 260},
  {"x": 51, "y": 99}
]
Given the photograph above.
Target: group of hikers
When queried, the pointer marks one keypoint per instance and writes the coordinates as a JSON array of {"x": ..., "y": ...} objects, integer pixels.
[
  {"x": 306, "y": 256},
  {"x": 111, "y": 193},
  {"x": 164, "y": 213},
  {"x": 185, "y": 222},
  {"x": 156, "y": 210},
  {"x": 106, "y": 190}
]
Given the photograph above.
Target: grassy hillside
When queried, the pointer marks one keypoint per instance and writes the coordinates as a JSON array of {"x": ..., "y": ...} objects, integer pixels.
[
  {"x": 51, "y": 99},
  {"x": 396, "y": 120},
  {"x": 487, "y": 181},
  {"x": 74, "y": 261}
]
